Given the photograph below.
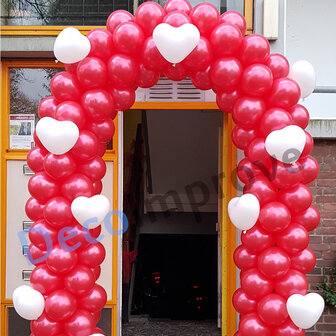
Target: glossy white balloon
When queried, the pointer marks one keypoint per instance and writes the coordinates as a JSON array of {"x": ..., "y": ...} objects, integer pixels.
[
  {"x": 71, "y": 46},
  {"x": 244, "y": 211},
  {"x": 86, "y": 208},
  {"x": 305, "y": 310},
  {"x": 18, "y": 290},
  {"x": 58, "y": 137},
  {"x": 304, "y": 74},
  {"x": 286, "y": 145},
  {"x": 176, "y": 43}
]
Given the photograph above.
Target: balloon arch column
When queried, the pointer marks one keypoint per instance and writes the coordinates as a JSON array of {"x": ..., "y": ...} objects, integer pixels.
[{"x": 102, "y": 72}]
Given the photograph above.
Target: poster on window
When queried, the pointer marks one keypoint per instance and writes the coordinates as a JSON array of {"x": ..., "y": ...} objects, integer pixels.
[{"x": 21, "y": 130}]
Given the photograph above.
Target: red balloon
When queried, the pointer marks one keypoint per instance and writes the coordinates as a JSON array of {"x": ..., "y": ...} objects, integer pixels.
[
  {"x": 35, "y": 159},
  {"x": 72, "y": 68},
  {"x": 278, "y": 65},
  {"x": 244, "y": 259},
  {"x": 226, "y": 40},
  {"x": 101, "y": 148},
  {"x": 227, "y": 100},
  {"x": 98, "y": 105},
  {"x": 80, "y": 323},
  {"x": 259, "y": 156},
  {"x": 285, "y": 93},
  {"x": 309, "y": 145},
  {"x": 86, "y": 147},
  {"x": 273, "y": 262},
  {"x": 76, "y": 236},
  {"x": 255, "y": 284},
  {"x": 288, "y": 329},
  {"x": 35, "y": 254},
  {"x": 304, "y": 261},
  {"x": 34, "y": 209},
  {"x": 45, "y": 281},
  {"x": 44, "y": 326},
  {"x": 293, "y": 282},
  {"x": 201, "y": 79},
  {"x": 57, "y": 212},
  {"x": 176, "y": 18},
  {"x": 285, "y": 175},
  {"x": 42, "y": 187},
  {"x": 257, "y": 79},
  {"x": 103, "y": 130},
  {"x": 60, "y": 305},
  {"x": 94, "y": 301},
  {"x": 47, "y": 107},
  {"x": 80, "y": 280},
  {"x": 262, "y": 189},
  {"x": 152, "y": 58},
  {"x": 96, "y": 272},
  {"x": 61, "y": 261},
  {"x": 71, "y": 111},
  {"x": 274, "y": 119},
  {"x": 64, "y": 86},
  {"x": 225, "y": 73},
  {"x": 92, "y": 73},
  {"x": 59, "y": 166},
  {"x": 94, "y": 169},
  {"x": 242, "y": 304},
  {"x": 300, "y": 115},
  {"x": 294, "y": 239},
  {"x": 97, "y": 187},
  {"x": 309, "y": 218},
  {"x": 92, "y": 256},
  {"x": 310, "y": 169},
  {"x": 178, "y": 5},
  {"x": 38, "y": 143},
  {"x": 148, "y": 16},
  {"x": 251, "y": 324},
  {"x": 101, "y": 41},
  {"x": 200, "y": 58},
  {"x": 128, "y": 39},
  {"x": 118, "y": 17},
  {"x": 236, "y": 19},
  {"x": 247, "y": 111},
  {"x": 256, "y": 239},
  {"x": 246, "y": 171},
  {"x": 297, "y": 199},
  {"x": 176, "y": 72},
  {"x": 123, "y": 99},
  {"x": 147, "y": 78},
  {"x": 242, "y": 138},
  {"x": 96, "y": 317},
  {"x": 272, "y": 309},
  {"x": 274, "y": 217},
  {"x": 254, "y": 49},
  {"x": 205, "y": 17},
  {"x": 77, "y": 185}
]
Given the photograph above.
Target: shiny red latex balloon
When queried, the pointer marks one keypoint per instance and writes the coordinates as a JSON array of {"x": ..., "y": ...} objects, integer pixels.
[
  {"x": 256, "y": 239},
  {"x": 60, "y": 305},
  {"x": 96, "y": 317},
  {"x": 293, "y": 282},
  {"x": 176, "y": 18},
  {"x": 47, "y": 107},
  {"x": 297, "y": 199},
  {"x": 45, "y": 326},
  {"x": 200, "y": 58},
  {"x": 278, "y": 65},
  {"x": 254, "y": 49},
  {"x": 255, "y": 284},
  {"x": 44, "y": 280},
  {"x": 205, "y": 17},
  {"x": 272, "y": 309},
  {"x": 34, "y": 209},
  {"x": 35, "y": 254},
  {"x": 40, "y": 234},
  {"x": 94, "y": 169},
  {"x": 274, "y": 119},
  {"x": 259, "y": 156},
  {"x": 101, "y": 148},
  {"x": 38, "y": 143},
  {"x": 80, "y": 323},
  {"x": 42, "y": 187},
  {"x": 273, "y": 262},
  {"x": 79, "y": 280},
  {"x": 96, "y": 272},
  {"x": 247, "y": 171},
  {"x": 76, "y": 236},
  {"x": 244, "y": 259},
  {"x": 92, "y": 256},
  {"x": 309, "y": 145},
  {"x": 72, "y": 68},
  {"x": 242, "y": 138},
  {"x": 65, "y": 86},
  {"x": 103, "y": 130},
  {"x": 242, "y": 304},
  {"x": 35, "y": 159},
  {"x": 59, "y": 166},
  {"x": 227, "y": 100},
  {"x": 61, "y": 261},
  {"x": 77, "y": 185},
  {"x": 251, "y": 324},
  {"x": 57, "y": 212},
  {"x": 91, "y": 73},
  {"x": 201, "y": 79},
  {"x": 71, "y": 111},
  {"x": 176, "y": 72},
  {"x": 286, "y": 176},
  {"x": 148, "y": 16},
  {"x": 147, "y": 78},
  {"x": 310, "y": 169},
  {"x": 178, "y": 5},
  {"x": 86, "y": 147},
  {"x": 116, "y": 18},
  {"x": 94, "y": 301},
  {"x": 128, "y": 39},
  {"x": 262, "y": 189},
  {"x": 274, "y": 217},
  {"x": 123, "y": 98},
  {"x": 304, "y": 261},
  {"x": 97, "y": 187},
  {"x": 288, "y": 328},
  {"x": 247, "y": 111},
  {"x": 152, "y": 58},
  {"x": 300, "y": 115},
  {"x": 234, "y": 18},
  {"x": 309, "y": 218},
  {"x": 101, "y": 41}
]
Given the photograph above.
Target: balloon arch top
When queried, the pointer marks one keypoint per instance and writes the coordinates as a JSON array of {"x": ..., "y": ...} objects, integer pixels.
[{"x": 103, "y": 70}]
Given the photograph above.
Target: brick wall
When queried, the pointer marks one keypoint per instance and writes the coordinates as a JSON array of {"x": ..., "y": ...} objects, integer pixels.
[{"x": 323, "y": 238}]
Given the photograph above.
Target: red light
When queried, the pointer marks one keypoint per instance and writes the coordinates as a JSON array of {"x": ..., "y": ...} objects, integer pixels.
[
  {"x": 201, "y": 298},
  {"x": 197, "y": 299},
  {"x": 157, "y": 282},
  {"x": 198, "y": 307},
  {"x": 195, "y": 286}
]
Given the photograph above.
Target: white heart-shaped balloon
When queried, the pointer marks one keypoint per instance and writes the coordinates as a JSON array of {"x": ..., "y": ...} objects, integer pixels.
[
  {"x": 58, "y": 137},
  {"x": 71, "y": 46},
  {"x": 28, "y": 302},
  {"x": 287, "y": 144},
  {"x": 176, "y": 43},
  {"x": 305, "y": 310},
  {"x": 244, "y": 211},
  {"x": 86, "y": 208}
]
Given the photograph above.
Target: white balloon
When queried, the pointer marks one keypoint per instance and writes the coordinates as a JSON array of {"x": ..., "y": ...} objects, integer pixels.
[
  {"x": 58, "y": 137},
  {"x": 84, "y": 208},
  {"x": 244, "y": 211},
  {"x": 305, "y": 310},
  {"x": 28, "y": 302},
  {"x": 176, "y": 43},
  {"x": 71, "y": 46},
  {"x": 304, "y": 74},
  {"x": 286, "y": 145}
]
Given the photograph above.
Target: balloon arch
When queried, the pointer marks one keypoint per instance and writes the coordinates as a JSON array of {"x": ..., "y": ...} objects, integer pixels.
[{"x": 103, "y": 70}]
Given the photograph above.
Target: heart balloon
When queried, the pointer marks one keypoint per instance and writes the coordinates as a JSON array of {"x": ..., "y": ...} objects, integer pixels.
[
  {"x": 71, "y": 46},
  {"x": 58, "y": 137},
  {"x": 287, "y": 144},
  {"x": 86, "y": 208},
  {"x": 244, "y": 211},
  {"x": 28, "y": 302},
  {"x": 305, "y": 310},
  {"x": 176, "y": 43}
]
